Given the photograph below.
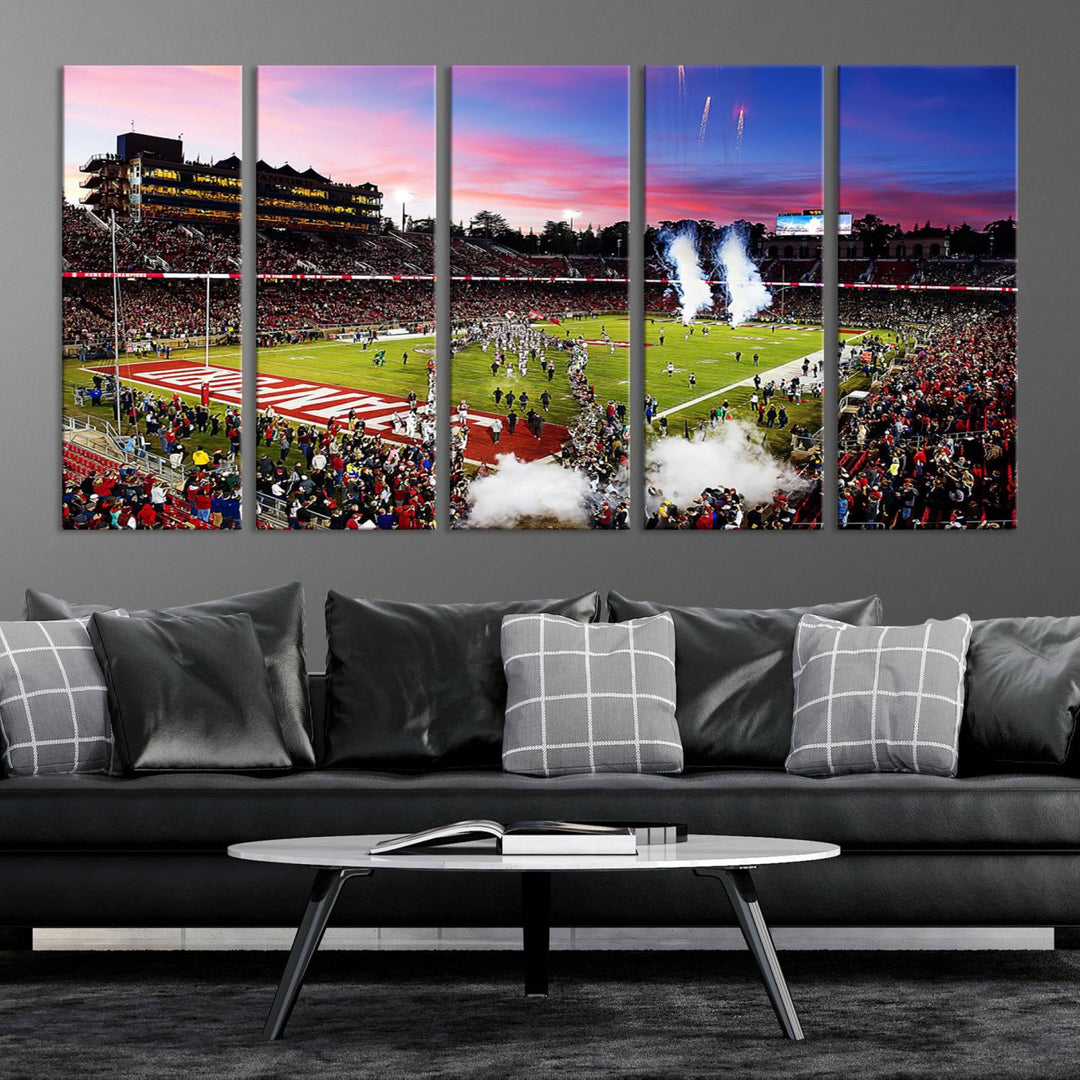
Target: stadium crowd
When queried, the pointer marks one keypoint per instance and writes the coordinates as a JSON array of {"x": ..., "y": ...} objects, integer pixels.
[
  {"x": 727, "y": 508},
  {"x": 172, "y": 464},
  {"x": 149, "y": 310},
  {"x": 152, "y": 244},
  {"x": 933, "y": 445},
  {"x": 336, "y": 306},
  {"x": 293, "y": 251},
  {"x": 99, "y": 493},
  {"x": 473, "y": 301},
  {"x": 344, "y": 477}
]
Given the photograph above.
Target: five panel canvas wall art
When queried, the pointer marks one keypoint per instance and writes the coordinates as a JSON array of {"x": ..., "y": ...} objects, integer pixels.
[{"x": 539, "y": 338}]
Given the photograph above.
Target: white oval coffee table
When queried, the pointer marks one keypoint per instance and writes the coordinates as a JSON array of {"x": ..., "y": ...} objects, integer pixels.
[{"x": 729, "y": 859}]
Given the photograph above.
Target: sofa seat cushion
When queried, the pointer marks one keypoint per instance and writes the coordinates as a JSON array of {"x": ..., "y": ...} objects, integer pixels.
[{"x": 201, "y": 811}]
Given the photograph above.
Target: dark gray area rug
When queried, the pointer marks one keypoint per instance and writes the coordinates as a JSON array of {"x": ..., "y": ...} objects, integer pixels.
[{"x": 391, "y": 1015}]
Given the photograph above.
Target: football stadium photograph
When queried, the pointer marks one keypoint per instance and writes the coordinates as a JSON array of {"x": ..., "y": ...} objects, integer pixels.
[{"x": 346, "y": 305}]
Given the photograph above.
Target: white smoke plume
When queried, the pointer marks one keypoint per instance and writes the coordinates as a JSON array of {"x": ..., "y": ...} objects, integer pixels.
[
  {"x": 679, "y": 252},
  {"x": 746, "y": 295},
  {"x": 731, "y": 456},
  {"x": 519, "y": 490}
]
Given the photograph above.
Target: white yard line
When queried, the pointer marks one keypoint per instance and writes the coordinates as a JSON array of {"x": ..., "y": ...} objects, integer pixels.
[{"x": 792, "y": 367}]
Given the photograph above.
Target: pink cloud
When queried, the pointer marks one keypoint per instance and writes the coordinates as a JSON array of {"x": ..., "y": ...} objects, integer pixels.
[
  {"x": 755, "y": 195},
  {"x": 321, "y": 117},
  {"x": 906, "y": 204},
  {"x": 531, "y": 180}
]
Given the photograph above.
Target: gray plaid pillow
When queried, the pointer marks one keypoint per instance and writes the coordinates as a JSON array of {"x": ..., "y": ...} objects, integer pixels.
[
  {"x": 589, "y": 697},
  {"x": 878, "y": 698},
  {"x": 54, "y": 714}
]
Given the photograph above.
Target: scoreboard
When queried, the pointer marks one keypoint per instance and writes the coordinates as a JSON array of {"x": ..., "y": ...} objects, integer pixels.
[{"x": 808, "y": 223}]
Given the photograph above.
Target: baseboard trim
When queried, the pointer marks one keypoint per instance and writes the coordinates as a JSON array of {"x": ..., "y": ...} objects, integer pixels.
[{"x": 591, "y": 938}]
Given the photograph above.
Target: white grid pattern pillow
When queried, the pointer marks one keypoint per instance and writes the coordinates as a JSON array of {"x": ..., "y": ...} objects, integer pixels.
[
  {"x": 54, "y": 713},
  {"x": 589, "y": 697},
  {"x": 878, "y": 698}
]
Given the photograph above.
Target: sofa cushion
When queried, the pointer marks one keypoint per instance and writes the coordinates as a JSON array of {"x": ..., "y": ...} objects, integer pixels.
[
  {"x": 878, "y": 698},
  {"x": 421, "y": 686},
  {"x": 188, "y": 693},
  {"x": 278, "y": 616},
  {"x": 1023, "y": 694},
  {"x": 877, "y": 811},
  {"x": 733, "y": 670},
  {"x": 54, "y": 716},
  {"x": 589, "y": 697}
]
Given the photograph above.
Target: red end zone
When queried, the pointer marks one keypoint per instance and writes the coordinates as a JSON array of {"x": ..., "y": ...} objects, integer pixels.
[{"x": 318, "y": 403}]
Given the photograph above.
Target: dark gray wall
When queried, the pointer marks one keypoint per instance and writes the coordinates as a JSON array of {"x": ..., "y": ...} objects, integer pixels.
[{"x": 1031, "y": 571}]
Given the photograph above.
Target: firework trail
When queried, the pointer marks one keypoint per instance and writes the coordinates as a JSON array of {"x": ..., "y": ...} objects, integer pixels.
[
  {"x": 739, "y": 128},
  {"x": 682, "y": 82},
  {"x": 704, "y": 122}
]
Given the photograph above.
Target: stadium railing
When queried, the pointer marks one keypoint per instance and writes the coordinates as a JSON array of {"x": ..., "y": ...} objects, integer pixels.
[{"x": 275, "y": 512}]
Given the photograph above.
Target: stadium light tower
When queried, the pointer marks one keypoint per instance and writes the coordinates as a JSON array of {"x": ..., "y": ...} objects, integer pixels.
[
  {"x": 569, "y": 215},
  {"x": 402, "y": 196}
]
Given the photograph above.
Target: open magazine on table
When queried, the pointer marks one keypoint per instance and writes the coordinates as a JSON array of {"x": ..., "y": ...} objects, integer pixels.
[{"x": 541, "y": 837}]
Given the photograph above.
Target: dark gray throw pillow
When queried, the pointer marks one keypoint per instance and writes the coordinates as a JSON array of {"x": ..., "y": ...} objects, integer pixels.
[
  {"x": 189, "y": 694},
  {"x": 733, "y": 669},
  {"x": 1023, "y": 694},
  {"x": 415, "y": 687},
  {"x": 278, "y": 617},
  {"x": 589, "y": 698}
]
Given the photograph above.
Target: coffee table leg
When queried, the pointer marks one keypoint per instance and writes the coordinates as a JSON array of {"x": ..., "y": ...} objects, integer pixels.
[
  {"x": 739, "y": 886},
  {"x": 536, "y": 929},
  {"x": 324, "y": 894}
]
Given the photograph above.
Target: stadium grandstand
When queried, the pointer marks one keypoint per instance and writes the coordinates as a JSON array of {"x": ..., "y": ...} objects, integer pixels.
[
  {"x": 936, "y": 412},
  {"x": 927, "y": 436},
  {"x": 117, "y": 481}
]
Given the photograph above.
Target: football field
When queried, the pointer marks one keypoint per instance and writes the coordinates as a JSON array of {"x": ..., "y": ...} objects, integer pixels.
[
  {"x": 710, "y": 357},
  {"x": 720, "y": 377},
  {"x": 79, "y": 374},
  {"x": 343, "y": 363},
  {"x": 609, "y": 372}
]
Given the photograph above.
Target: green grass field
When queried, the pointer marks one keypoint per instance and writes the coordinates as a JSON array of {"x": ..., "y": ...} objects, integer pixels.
[
  {"x": 471, "y": 378},
  {"x": 712, "y": 360},
  {"x": 859, "y": 381},
  {"x": 75, "y": 374},
  {"x": 343, "y": 363}
]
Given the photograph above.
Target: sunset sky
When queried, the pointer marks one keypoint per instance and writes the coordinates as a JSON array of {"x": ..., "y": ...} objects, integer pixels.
[
  {"x": 691, "y": 173},
  {"x": 533, "y": 142},
  {"x": 928, "y": 142},
  {"x": 103, "y": 102},
  {"x": 372, "y": 123}
]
